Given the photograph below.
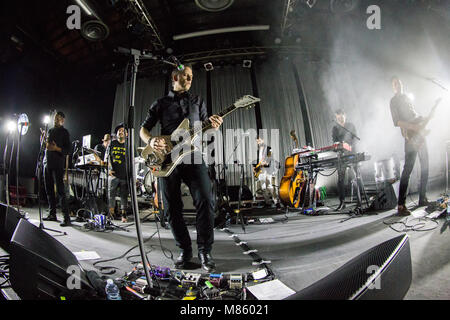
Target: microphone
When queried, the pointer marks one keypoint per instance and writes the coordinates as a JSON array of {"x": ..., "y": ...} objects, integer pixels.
[{"x": 178, "y": 64}]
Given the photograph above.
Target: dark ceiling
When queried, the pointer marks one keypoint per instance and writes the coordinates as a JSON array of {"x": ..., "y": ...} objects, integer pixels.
[{"x": 152, "y": 25}]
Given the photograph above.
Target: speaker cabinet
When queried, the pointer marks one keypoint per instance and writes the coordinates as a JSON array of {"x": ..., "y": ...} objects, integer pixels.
[
  {"x": 386, "y": 198},
  {"x": 39, "y": 267},
  {"x": 9, "y": 218},
  {"x": 381, "y": 273}
]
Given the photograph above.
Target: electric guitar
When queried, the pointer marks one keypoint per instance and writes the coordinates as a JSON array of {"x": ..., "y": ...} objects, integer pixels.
[
  {"x": 417, "y": 138},
  {"x": 162, "y": 163}
]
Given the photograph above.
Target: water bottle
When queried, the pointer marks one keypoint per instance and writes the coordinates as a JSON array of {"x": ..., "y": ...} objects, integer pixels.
[
  {"x": 448, "y": 210},
  {"x": 112, "y": 291}
]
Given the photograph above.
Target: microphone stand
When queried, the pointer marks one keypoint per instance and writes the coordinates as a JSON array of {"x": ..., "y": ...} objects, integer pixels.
[
  {"x": 353, "y": 135},
  {"x": 131, "y": 170},
  {"x": 39, "y": 172},
  {"x": 136, "y": 56},
  {"x": 240, "y": 185}
]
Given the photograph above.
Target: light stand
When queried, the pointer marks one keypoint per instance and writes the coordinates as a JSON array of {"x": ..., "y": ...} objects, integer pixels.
[
  {"x": 39, "y": 172},
  {"x": 6, "y": 172},
  {"x": 22, "y": 125}
]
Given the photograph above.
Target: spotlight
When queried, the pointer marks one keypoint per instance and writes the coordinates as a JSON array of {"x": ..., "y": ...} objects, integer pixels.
[
  {"x": 214, "y": 5},
  {"x": 46, "y": 120},
  {"x": 410, "y": 96},
  {"x": 11, "y": 126},
  {"x": 94, "y": 30},
  {"x": 247, "y": 63},
  {"x": 208, "y": 66}
]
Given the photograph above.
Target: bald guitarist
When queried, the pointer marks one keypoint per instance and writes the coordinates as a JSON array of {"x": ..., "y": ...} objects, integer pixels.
[
  {"x": 170, "y": 111},
  {"x": 412, "y": 126}
]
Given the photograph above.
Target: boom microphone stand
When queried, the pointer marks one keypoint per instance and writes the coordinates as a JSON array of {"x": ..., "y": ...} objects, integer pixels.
[{"x": 136, "y": 56}]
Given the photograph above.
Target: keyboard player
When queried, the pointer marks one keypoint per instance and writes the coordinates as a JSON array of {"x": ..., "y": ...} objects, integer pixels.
[{"x": 344, "y": 132}]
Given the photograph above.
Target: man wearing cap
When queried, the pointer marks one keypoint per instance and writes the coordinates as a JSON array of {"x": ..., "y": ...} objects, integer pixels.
[
  {"x": 57, "y": 148},
  {"x": 118, "y": 173},
  {"x": 170, "y": 111}
]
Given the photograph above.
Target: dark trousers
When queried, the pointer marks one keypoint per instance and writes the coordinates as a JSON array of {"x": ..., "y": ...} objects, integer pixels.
[
  {"x": 411, "y": 154},
  {"x": 52, "y": 176},
  {"x": 122, "y": 185},
  {"x": 197, "y": 179}
]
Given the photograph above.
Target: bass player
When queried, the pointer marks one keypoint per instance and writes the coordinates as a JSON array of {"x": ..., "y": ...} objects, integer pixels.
[{"x": 411, "y": 124}]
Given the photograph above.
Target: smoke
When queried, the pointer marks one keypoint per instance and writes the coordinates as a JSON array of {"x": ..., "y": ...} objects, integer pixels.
[{"x": 358, "y": 79}]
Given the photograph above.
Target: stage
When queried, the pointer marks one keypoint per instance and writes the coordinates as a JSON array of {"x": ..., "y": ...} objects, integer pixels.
[{"x": 299, "y": 249}]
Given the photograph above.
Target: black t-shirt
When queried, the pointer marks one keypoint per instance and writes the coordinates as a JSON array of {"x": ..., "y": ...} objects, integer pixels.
[
  {"x": 118, "y": 159},
  {"x": 55, "y": 159},
  {"x": 341, "y": 135}
]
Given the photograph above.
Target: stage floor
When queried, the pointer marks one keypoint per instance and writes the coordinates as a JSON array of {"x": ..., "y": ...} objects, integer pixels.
[{"x": 301, "y": 249}]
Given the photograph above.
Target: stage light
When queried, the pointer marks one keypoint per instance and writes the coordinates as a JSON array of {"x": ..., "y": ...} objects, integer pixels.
[
  {"x": 247, "y": 63},
  {"x": 410, "y": 96},
  {"x": 46, "y": 120},
  {"x": 11, "y": 126},
  {"x": 208, "y": 66}
]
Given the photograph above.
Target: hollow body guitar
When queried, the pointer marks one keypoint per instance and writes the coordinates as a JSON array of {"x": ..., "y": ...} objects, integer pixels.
[
  {"x": 293, "y": 184},
  {"x": 162, "y": 164}
]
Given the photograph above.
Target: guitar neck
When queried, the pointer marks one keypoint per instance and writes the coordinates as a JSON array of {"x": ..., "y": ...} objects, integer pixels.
[{"x": 207, "y": 123}]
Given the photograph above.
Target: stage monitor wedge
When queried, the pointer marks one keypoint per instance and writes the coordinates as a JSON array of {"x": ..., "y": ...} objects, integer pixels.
[
  {"x": 383, "y": 272},
  {"x": 41, "y": 268},
  {"x": 9, "y": 218}
]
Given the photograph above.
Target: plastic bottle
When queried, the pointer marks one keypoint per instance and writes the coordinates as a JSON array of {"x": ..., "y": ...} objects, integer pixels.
[
  {"x": 448, "y": 210},
  {"x": 112, "y": 291}
]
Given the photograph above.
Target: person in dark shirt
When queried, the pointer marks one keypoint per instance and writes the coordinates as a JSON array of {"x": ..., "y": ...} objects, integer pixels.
[
  {"x": 102, "y": 147},
  {"x": 342, "y": 132},
  {"x": 118, "y": 173},
  {"x": 405, "y": 116},
  {"x": 57, "y": 148},
  {"x": 171, "y": 110}
]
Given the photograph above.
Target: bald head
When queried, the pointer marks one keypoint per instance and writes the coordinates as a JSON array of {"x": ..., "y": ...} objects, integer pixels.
[{"x": 182, "y": 80}]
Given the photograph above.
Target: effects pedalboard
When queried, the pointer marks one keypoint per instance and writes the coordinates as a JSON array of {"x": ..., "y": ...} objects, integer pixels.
[{"x": 167, "y": 284}]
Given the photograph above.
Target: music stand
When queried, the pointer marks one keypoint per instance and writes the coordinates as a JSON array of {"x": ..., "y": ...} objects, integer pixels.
[{"x": 39, "y": 171}]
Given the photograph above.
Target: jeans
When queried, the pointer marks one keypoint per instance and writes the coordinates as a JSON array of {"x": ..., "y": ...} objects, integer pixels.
[
  {"x": 122, "y": 185},
  {"x": 52, "y": 176},
  {"x": 411, "y": 154},
  {"x": 197, "y": 179}
]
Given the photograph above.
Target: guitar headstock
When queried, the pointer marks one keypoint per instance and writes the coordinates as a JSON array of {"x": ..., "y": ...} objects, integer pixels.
[{"x": 246, "y": 102}]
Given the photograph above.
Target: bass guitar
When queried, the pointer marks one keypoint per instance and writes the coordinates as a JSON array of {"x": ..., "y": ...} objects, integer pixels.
[{"x": 417, "y": 138}]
